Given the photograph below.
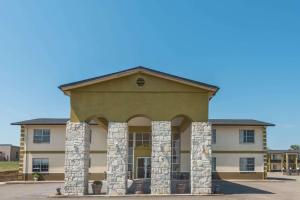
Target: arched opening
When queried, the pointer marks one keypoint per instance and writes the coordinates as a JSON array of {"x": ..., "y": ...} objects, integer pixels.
[
  {"x": 98, "y": 147},
  {"x": 181, "y": 157},
  {"x": 139, "y": 153}
]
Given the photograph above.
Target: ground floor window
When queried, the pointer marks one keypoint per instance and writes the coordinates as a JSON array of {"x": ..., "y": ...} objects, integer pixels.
[
  {"x": 139, "y": 144},
  {"x": 247, "y": 164},
  {"x": 40, "y": 165},
  {"x": 175, "y": 155},
  {"x": 214, "y": 164}
]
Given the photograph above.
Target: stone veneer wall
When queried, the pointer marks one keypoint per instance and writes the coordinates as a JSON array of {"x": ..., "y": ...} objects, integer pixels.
[
  {"x": 77, "y": 150},
  {"x": 201, "y": 177},
  {"x": 161, "y": 157},
  {"x": 22, "y": 153},
  {"x": 117, "y": 157}
]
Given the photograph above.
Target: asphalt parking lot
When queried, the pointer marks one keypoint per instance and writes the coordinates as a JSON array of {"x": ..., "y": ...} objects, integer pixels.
[{"x": 279, "y": 187}]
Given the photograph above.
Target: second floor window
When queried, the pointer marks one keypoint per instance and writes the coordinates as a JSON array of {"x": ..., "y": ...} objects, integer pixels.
[
  {"x": 214, "y": 136},
  {"x": 41, "y": 136},
  {"x": 247, "y": 136}
]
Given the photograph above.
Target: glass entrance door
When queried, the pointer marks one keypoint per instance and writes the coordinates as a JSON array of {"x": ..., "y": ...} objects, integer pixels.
[{"x": 143, "y": 167}]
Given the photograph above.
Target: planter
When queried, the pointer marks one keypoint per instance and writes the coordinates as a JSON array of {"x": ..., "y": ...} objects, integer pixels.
[
  {"x": 139, "y": 187},
  {"x": 97, "y": 188},
  {"x": 180, "y": 188}
]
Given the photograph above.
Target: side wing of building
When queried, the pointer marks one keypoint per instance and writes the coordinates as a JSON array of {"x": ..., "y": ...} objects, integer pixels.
[{"x": 238, "y": 152}]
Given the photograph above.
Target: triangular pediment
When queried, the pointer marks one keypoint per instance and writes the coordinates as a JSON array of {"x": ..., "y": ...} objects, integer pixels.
[{"x": 139, "y": 79}]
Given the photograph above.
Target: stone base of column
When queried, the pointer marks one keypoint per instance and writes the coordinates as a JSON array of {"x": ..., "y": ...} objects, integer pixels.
[
  {"x": 77, "y": 150},
  {"x": 201, "y": 177},
  {"x": 161, "y": 158},
  {"x": 117, "y": 158}
]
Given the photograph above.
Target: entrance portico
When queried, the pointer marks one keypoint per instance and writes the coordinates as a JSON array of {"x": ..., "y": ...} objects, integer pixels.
[{"x": 112, "y": 100}]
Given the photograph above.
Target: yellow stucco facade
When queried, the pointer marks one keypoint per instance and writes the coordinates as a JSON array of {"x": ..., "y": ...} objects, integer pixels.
[{"x": 120, "y": 98}]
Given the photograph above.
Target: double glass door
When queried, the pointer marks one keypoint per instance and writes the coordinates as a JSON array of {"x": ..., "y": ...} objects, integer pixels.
[{"x": 143, "y": 167}]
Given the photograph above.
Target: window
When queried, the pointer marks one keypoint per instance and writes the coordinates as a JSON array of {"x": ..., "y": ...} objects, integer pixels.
[
  {"x": 143, "y": 139},
  {"x": 41, "y": 136},
  {"x": 214, "y": 164},
  {"x": 130, "y": 155},
  {"x": 247, "y": 164},
  {"x": 90, "y": 137},
  {"x": 40, "y": 165},
  {"x": 135, "y": 140},
  {"x": 175, "y": 155},
  {"x": 214, "y": 136},
  {"x": 247, "y": 136}
]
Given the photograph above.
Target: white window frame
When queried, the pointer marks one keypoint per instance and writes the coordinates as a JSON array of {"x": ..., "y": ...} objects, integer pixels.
[
  {"x": 246, "y": 168},
  {"x": 244, "y": 136},
  {"x": 44, "y": 133},
  {"x": 40, "y": 165}
]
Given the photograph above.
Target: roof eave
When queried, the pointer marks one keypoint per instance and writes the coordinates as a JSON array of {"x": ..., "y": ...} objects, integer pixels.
[{"x": 67, "y": 87}]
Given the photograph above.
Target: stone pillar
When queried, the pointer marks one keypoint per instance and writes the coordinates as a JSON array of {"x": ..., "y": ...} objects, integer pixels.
[
  {"x": 77, "y": 154},
  {"x": 117, "y": 158},
  {"x": 287, "y": 162},
  {"x": 161, "y": 157},
  {"x": 201, "y": 177}
]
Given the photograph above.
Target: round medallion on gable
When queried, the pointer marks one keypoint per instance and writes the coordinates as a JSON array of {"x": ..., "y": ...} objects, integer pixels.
[{"x": 140, "y": 82}]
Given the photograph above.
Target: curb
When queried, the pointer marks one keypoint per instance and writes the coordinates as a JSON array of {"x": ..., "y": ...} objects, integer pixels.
[{"x": 133, "y": 195}]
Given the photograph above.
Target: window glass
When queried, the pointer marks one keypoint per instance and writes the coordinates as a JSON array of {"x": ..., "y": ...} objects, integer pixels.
[
  {"x": 247, "y": 164},
  {"x": 214, "y": 136},
  {"x": 175, "y": 155},
  {"x": 40, "y": 165},
  {"x": 214, "y": 164},
  {"x": 247, "y": 136},
  {"x": 41, "y": 136},
  {"x": 139, "y": 136}
]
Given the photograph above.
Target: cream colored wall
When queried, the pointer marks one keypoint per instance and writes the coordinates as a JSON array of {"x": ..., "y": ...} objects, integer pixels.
[
  {"x": 57, "y": 138},
  {"x": 98, "y": 163},
  {"x": 56, "y": 147},
  {"x": 99, "y": 137},
  {"x": 56, "y": 162},
  {"x": 231, "y": 162},
  {"x": 185, "y": 139},
  {"x": 228, "y": 139}
]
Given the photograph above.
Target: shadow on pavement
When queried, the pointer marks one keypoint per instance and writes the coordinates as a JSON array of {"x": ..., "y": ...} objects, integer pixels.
[
  {"x": 227, "y": 187},
  {"x": 281, "y": 179}
]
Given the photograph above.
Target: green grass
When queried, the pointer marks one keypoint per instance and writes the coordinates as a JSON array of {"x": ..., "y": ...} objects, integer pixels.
[{"x": 8, "y": 166}]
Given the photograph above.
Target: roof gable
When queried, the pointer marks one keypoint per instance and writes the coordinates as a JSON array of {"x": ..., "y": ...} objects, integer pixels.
[{"x": 79, "y": 84}]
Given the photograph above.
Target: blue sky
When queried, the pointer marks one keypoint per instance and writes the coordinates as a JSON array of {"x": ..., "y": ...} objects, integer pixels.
[{"x": 250, "y": 49}]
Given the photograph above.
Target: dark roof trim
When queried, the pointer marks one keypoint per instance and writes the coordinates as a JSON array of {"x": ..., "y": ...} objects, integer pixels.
[
  {"x": 283, "y": 151},
  {"x": 136, "y": 69},
  {"x": 239, "y": 122},
  {"x": 223, "y": 122}
]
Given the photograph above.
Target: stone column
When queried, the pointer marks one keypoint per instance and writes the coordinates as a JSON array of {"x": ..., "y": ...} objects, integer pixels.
[
  {"x": 77, "y": 154},
  {"x": 117, "y": 158},
  {"x": 201, "y": 177},
  {"x": 161, "y": 157},
  {"x": 287, "y": 162}
]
